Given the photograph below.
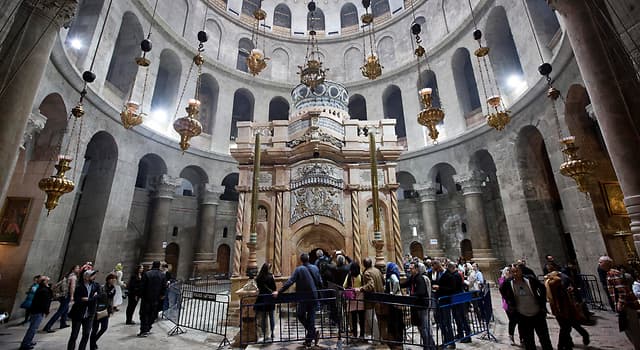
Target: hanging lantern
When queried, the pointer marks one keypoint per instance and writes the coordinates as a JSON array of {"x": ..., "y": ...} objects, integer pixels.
[
  {"x": 188, "y": 126},
  {"x": 430, "y": 116},
  {"x": 575, "y": 167},
  {"x": 256, "y": 62},
  {"x": 497, "y": 117},
  {"x": 311, "y": 73},
  {"x": 57, "y": 185},
  {"x": 371, "y": 68},
  {"x": 130, "y": 116}
]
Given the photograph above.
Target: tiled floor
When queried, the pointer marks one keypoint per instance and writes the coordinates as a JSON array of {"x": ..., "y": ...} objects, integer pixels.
[{"x": 123, "y": 337}]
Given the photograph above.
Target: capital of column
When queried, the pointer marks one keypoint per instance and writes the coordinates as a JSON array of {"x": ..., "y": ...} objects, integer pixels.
[
  {"x": 353, "y": 187},
  {"x": 60, "y": 11},
  {"x": 211, "y": 194},
  {"x": 426, "y": 191},
  {"x": 35, "y": 124},
  {"x": 165, "y": 186},
  {"x": 470, "y": 183}
]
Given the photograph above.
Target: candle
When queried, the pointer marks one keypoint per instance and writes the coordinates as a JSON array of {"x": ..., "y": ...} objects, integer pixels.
[
  {"x": 194, "y": 102},
  {"x": 425, "y": 91}
]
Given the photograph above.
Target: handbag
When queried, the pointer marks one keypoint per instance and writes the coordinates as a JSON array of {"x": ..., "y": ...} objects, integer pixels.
[
  {"x": 349, "y": 294},
  {"x": 102, "y": 314}
]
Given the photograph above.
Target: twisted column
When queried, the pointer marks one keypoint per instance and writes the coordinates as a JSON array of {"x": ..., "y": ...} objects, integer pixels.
[
  {"x": 395, "y": 220},
  {"x": 237, "y": 249},
  {"x": 277, "y": 258},
  {"x": 355, "y": 222}
]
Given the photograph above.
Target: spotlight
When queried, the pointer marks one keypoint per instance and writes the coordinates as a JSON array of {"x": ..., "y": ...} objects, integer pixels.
[
  {"x": 514, "y": 81},
  {"x": 76, "y": 43}
]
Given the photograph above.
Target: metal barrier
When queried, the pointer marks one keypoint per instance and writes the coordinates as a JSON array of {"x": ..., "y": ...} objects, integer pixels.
[
  {"x": 290, "y": 312},
  {"x": 209, "y": 285},
  {"x": 190, "y": 307},
  {"x": 461, "y": 316},
  {"x": 590, "y": 292}
]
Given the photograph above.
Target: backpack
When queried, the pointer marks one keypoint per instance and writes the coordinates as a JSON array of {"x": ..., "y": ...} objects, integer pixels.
[{"x": 60, "y": 289}]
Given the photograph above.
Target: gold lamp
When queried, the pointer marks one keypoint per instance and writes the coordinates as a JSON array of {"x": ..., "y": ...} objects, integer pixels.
[
  {"x": 311, "y": 73},
  {"x": 575, "y": 167},
  {"x": 430, "y": 116},
  {"x": 497, "y": 117},
  {"x": 371, "y": 69},
  {"x": 256, "y": 62},
  {"x": 57, "y": 185}
]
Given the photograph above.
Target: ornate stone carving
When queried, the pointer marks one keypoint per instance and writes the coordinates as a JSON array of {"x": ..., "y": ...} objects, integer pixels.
[
  {"x": 266, "y": 131},
  {"x": 365, "y": 178},
  {"x": 165, "y": 186},
  {"x": 211, "y": 194},
  {"x": 61, "y": 11},
  {"x": 471, "y": 183},
  {"x": 317, "y": 174},
  {"x": 35, "y": 124},
  {"x": 316, "y": 200},
  {"x": 315, "y": 134},
  {"x": 265, "y": 179},
  {"x": 426, "y": 191}
]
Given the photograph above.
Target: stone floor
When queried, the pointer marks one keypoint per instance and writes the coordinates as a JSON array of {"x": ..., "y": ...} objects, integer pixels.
[{"x": 123, "y": 337}]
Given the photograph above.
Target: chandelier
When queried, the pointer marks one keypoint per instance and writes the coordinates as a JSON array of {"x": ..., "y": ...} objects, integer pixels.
[
  {"x": 311, "y": 73},
  {"x": 371, "y": 69},
  {"x": 256, "y": 62},
  {"x": 132, "y": 113},
  {"x": 497, "y": 114},
  {"x": 189, "y": 126}
]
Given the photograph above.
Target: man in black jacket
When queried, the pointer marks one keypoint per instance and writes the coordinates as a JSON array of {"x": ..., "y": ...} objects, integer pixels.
[
  {"x": 38, "y": 310},
  {"x": 83, "y": 309},
  {"x": 421, "y": 289},
  {"x": 528, "y": 298},
  {"x": 154, "y": 285}
]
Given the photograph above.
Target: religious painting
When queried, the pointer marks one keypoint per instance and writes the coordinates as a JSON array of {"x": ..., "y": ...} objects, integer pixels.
[
  {"x": 614, "y": 198},
  {"x": 14, "y": 216}
]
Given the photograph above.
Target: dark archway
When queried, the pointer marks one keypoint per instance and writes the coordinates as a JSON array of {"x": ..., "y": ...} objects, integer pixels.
[
  {"x": 242, "y": 110},
  {"x": 83, "y": 27},
  {"x": 315, "y": 20},
  {"x": 47, "y": 142},
  {"x": 416, "y": 250},
  {"x": 466, "y": 249},
  {"x": 244, "y": 49},
  {"x": 172, "y": 257},
  {"x": 545, "y": 23},
  {"x": 349, "y": 17},
  {"x": 197, "y": 177},
  {"x": 92, "y": 192},
  {"x": 392, "y": 108},
  {"x": 406, "y": 181},
  {"x": 504, "y": 55},
  {"x": 282, "y": 17},
  {"x": 428, "y": 80},
  {"x": 278, "y": 109},
  {"x": 167, "y": 85},
  {"x": 465, "y": 81},
  {"x": 209, "y": 90},
  {"x": 541, "y": 195},
  {"x": 149, "y": 167},
  {"x": 357, "y": 107},
  {"x": 380, "y": 8}
]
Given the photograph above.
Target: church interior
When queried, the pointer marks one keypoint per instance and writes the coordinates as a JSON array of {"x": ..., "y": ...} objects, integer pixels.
[{"x": 216, "y": 135}]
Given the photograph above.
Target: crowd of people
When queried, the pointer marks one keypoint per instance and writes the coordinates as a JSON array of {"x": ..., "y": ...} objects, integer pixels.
[{"x": 88, "y": 305}]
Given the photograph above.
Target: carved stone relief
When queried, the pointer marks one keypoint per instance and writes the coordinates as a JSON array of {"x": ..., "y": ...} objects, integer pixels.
[{"x": 316, "y": 200}]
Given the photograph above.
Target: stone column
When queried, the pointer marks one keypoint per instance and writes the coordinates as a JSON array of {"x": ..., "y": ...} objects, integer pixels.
[
  {"x": 355, "y": 222},
  {"x": 237, "y": 248},
  {"x": 203, "y": 259},
  {"x": 427, "y": 192},
  {"x": 395, "y": 225},
  {"x": 277, "y": 249},
  {"x": 610, "y": 81},
  {"x": 165, "y": 187},
  {"x": 23, "y": 65}
]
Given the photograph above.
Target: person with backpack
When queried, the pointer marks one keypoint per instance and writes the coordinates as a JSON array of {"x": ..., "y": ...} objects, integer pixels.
[
  {"x": 61, "y": 293},
  {"x": 39, "y": 308}
]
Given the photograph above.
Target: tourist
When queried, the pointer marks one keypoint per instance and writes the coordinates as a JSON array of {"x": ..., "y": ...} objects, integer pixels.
[
  {"x": 118, "y": 298},
  {"x": 527, "y": 297},
  {"x": 373, "y": 282},
  {"x": 135, "y": 289},
  {"x": 513, "y": 319},
  {"x": 342, "y": 268},
  {"x": 104, "y": 309},
  {"x": 38, "y": 309},
  {"x": 26, "y": 303},
  {"x": 152, "y": 293},
  {"x": 560, "y": 291},
  {"x": 307, "y": 280},
  {"x": 355, "y": 300},
  {"x": 419, "y": 286},
  {"x": 83, "y": 310},
  {"x": 264, "y": 304},
  {"x": 395, "y": 318},
  {"x": 63, "y": 310},
  {"x": 626, "y": 303}
]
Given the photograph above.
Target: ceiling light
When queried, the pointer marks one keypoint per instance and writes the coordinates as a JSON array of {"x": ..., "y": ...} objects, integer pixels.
[
  {"x": 76, "y": 43},
  {"x": 514, "y": 81}
]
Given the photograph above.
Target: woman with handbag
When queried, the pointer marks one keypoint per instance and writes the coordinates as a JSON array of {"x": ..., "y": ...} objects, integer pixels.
[
  {"x": 135, "y": 293},
  {"x": 355, "y": 300},
  {"x": 104, "y": 309},
  {"x": 264, "y": 303}
]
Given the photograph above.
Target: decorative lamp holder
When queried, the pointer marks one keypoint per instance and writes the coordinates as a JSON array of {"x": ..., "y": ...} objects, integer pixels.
[
  {"x": 311, "y": 72},
  {"x": 371, "y": 68},
  {"x": 256, "y": 61},
  {"x": 57, "y": 185},
  {"x": 430, "y": 116}
]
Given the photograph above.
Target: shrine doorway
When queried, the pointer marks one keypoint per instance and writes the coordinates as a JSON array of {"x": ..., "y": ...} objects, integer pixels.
[{"x": 311, "y": 238}]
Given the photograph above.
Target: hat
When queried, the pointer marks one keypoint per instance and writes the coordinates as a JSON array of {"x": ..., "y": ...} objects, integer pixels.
[
  {"x": 605, "y": 258},
  {"x": 90, "y": 273}
]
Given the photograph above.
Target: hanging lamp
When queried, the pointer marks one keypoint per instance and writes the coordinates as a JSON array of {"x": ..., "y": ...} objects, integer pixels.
[
  {"x": 256, "y": 61},
  {"x": 311, "y": 73},
  {"x": 371, "y": 69}
]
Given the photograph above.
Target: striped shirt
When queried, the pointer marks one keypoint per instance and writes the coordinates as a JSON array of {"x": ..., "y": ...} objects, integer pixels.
[{"x": 619, "y": 291}]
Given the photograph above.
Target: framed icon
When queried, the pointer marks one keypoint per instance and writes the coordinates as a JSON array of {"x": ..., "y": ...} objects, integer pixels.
[
  {"x": 13, "y": 219},
  {"x": 614, "y": 198}
]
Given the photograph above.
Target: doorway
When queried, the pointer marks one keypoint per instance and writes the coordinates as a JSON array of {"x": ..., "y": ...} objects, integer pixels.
[
  {"x": 171, "y": 256},
  {"x": 466, "y": 250},
  {"x": 223, "y": 256},
  {"x": 416, "y": 250}
]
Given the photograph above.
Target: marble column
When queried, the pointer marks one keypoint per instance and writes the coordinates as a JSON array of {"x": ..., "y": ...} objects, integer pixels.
[
  {"x": 165, "y": 188},
  {"x": 428, "y": 203},
  {"x": 203, "y": 262},
  {"x": 612, "y": 88},
  {"x": 24, "y": 56}
]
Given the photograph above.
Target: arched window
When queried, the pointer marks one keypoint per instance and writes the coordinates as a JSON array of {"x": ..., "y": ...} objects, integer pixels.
[
  {"x": 242, "y": 110},
  {"x": 244, "y": 49},
  {"x": 279, "y": 64},
  {"x": 230, "y": 182},
  {"x": 465, "y": 80},
  {"x": 185, "y": 189},
  {"x": 544, "y": 21},
  {"x": 428, "y": 79},
  {"x": 278, "y": 109},
  {"x": 282, "y": 16},
  {"x": 123, "y": 68},
  {"x": 392, "y": 108},
  {"x": 167, "y": 85},
  {"x": 357, "y": 107},
  {"x": 83, "y": 26},
  {"x": 149, "y": 167},
  {"x": 215, "y": 37},
  {"x": 193, "y": 180},
  {"x": 209, "y": 90},
  {"x": 249, "y": 6},
  {"x": 175, "y": 13},
  {"x": 387, "y": 52},
  {"x": 315, "y": 20},
  {"x": 504, "y": 55},
  {"x": 352, "y": 61},
  {"x": 380, "y": 8},
  {"x": 349, "y": 16}
]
